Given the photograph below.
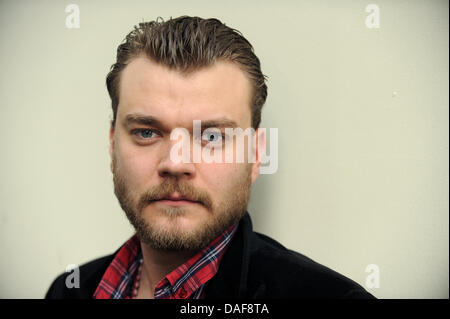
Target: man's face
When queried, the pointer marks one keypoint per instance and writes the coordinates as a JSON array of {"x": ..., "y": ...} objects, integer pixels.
[{"x": 147, "y": 181}]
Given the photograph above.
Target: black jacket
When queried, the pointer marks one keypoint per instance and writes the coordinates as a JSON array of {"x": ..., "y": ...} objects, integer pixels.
[{"x": 254, "y": 266}]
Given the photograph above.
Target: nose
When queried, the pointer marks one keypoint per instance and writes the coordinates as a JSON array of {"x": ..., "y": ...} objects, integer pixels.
[{"x": 169, "y": 166}]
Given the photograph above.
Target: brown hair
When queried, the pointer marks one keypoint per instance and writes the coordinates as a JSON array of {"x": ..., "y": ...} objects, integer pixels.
[{"x": 186, "y": 44}]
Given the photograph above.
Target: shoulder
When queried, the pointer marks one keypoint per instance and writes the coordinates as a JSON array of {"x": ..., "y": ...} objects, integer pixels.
[
  {"x": 89, "y": 274},
  {"x": 277, "y": 272}
]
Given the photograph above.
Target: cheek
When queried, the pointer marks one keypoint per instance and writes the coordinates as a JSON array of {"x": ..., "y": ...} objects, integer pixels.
[
  {"x": 138, "y": 167},
  {"x": 220, "y": 177}
]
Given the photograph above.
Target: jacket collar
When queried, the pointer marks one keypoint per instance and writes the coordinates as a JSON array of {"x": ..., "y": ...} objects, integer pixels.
[{"x": 231, "y": 279}]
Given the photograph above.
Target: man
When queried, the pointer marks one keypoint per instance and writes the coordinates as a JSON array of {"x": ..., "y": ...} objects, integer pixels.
[{"x": 194, "y": 236}]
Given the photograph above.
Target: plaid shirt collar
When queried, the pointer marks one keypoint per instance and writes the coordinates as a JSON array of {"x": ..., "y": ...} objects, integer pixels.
[{"x": 187, "y": 281}]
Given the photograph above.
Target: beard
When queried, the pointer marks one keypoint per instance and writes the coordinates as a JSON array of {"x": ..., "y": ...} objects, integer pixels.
[{"x": 171, "y": 236}]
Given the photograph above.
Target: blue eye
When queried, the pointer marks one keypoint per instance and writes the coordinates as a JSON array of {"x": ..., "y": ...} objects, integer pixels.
[
  {"x": 212, "y": 136},
  {"x": 145, "y": 133}
]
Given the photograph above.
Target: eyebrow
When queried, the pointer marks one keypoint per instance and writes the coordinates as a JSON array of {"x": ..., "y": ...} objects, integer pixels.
[
  {"x": 146, "y": 120},
  {"x": 149, "y": 120},
  {"x": 219, "y": 123}
]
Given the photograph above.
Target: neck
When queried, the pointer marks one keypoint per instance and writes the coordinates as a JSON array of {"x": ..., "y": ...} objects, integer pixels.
[{"x": 156, "y": 265}]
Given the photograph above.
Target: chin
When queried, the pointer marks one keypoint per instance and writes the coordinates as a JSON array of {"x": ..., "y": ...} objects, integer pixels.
[
  {"x": 184, "y": 218},
  {"x": 177, "y": 232}
]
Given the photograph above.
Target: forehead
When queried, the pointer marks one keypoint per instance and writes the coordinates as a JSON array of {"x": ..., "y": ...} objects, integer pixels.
[{"x": 221, "y": 90}]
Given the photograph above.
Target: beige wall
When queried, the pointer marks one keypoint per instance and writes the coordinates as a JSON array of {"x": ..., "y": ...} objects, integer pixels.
[{"x": 362, "y": 118}]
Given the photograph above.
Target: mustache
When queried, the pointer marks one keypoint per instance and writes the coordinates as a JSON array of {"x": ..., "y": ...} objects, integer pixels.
[{"x": 170, "y": 186}]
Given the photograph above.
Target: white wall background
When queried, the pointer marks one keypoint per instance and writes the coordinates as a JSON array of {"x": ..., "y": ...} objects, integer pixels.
[{"x": 362, "y": 116}]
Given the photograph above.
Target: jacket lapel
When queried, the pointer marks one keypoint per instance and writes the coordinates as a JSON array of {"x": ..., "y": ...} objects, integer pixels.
[{"x": 231, "y": 279}]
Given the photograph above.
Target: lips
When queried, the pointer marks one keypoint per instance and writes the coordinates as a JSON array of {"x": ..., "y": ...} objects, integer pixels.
[{"x": 177, "y": 200}]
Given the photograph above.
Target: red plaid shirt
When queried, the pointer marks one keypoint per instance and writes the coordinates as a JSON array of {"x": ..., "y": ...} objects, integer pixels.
[{"x": 187, "y": 281}]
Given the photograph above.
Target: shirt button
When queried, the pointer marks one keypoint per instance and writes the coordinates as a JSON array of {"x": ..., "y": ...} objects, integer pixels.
[{"x": 182, "y": 294}]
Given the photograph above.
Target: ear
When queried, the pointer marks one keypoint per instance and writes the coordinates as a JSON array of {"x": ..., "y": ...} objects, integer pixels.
[
  {"x": 259, "y": 149},
  {"x": 111, "y": 144}
]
